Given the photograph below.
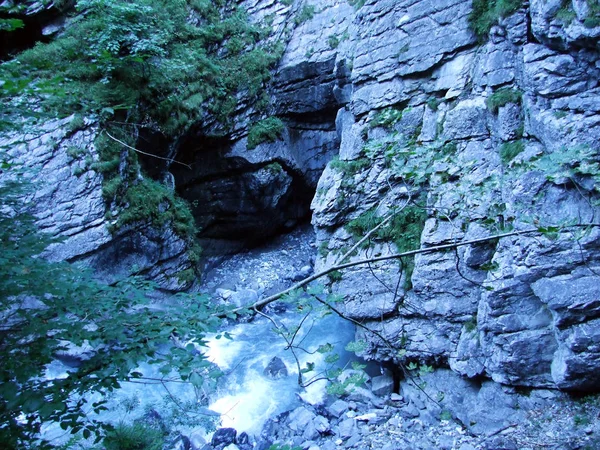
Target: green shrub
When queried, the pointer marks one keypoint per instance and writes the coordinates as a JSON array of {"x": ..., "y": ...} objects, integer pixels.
[
  {"x": 352, "y": 167},
  {"x": 145, "y": 62},
  {"x": 509, "y": 150},
  {"x": 333, "y": 41},
  {"x": 357, "y": 4},
  {"x": 386, "y": 118},
  {"x": 134, "y": 437},
  {"x": 335, "y": 276},
  {"x": 486, "y": 13},
  {"x": 306, "y": 13},
  {"x": 404, "y": 230},
  {"x": 502, "y": 97},
  {"x": 266, "y": 130}
]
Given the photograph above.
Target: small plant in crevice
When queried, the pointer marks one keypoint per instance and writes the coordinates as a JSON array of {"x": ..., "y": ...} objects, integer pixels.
[
  {"x": 434, "y": 103},
  {"x": 266, "y": 130},
  {"x": 305, "y": 14},
  {"x": 510, "y": 150},
  {"x": 503, "y": 97},
  {"x": 333, "y": 41},
  {"x": 386, "y": 117},
  {"x": 350, "y": 167},
  {"x": 335, "y": 276},
  {"x": 357, "y": 4},
  {"x": 487, "y": 13}
]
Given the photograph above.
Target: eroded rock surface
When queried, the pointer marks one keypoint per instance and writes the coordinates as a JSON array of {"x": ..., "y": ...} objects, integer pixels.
[{"x": 497, "y": 138}]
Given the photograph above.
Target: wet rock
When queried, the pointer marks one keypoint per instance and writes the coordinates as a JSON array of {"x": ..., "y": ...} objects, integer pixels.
[
  {"x": 383, "y": 385},
  {"x": 244, "y": 297},
  {"x": 223, "y": 437},
  {"x": 276, "y": 368}
]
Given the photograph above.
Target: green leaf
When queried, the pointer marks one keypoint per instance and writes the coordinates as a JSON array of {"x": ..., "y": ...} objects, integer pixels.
[
  {"x": 11, "y": 24},
  {"x": 196, "y": 380}
]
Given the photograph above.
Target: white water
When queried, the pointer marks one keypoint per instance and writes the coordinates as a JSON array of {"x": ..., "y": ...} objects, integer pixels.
[{"x": 247, "y": 398}]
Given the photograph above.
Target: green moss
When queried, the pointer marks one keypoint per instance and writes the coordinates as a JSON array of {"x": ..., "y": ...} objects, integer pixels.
[
  {"x": 266, "y": 130},
  {"x": 503, "y": 97},
  {"x": 74, "y": 152},
  {"x": 274, "y": 168},
  {"x": 487, "y": 13},
  {"x": 76, "y": 124},
  {"x": 386, "y": 118},
  {"x": 324, "y": 249},
  {"x": 509, "y": 150},
  {"x": 351, "y": 167},
  {"x": 591, "y": 22},
  {"x": 111, "y": 186},
  {"x": 150, "y": 201},
  {"x": 566, "y": 14},
  {"x": 471, "y": 324},
  {"x": 306, "y": 13}
]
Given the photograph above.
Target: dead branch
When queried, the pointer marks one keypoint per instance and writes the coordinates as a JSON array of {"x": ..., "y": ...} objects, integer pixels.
[
  {"x": 421, "y": 251},
  {"x": 171, "y": 160}
]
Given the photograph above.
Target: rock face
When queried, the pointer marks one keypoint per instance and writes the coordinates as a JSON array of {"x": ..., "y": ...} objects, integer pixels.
[
  {"x": 445, "y": 138},
  {"x": 67, "y": 199},
  {"x": 485, "y": 139}
]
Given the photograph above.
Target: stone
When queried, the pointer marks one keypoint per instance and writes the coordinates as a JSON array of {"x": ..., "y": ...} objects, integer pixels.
[
  {"x": 346, "y": 428},
  {"x": 382, "y": 385},
  {"x": 337, "y": 408},
  {"x": 223, "y": 437},
  {"x": 276, "y": 368},
  {"x": 244, "y": 297}
]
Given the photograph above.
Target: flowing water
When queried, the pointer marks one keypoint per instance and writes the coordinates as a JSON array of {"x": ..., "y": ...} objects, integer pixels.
[
  {"x": 248, "y": 397},
  {"x": 244, "y": 397}
]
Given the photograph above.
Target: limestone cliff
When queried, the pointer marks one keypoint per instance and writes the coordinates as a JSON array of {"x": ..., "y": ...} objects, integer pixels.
[
  {"x": 485, "y": 138},
  {"x": 454, "y": 135}
]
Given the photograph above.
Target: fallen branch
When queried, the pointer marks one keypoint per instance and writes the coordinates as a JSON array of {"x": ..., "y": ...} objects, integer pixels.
[
  {"x": 171, "y": 160},
  {"x": 437, "y": 248}
]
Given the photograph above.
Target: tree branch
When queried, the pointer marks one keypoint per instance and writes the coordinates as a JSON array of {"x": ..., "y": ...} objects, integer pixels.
[
  {"x": 436, "y": 248},
  {"x": 171, "y": 160}
]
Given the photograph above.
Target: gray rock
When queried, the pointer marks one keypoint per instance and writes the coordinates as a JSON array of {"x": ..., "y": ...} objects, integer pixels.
[
  {"x": 383, "y": 385},
  {"x": 337, "y": 408},
  {"x": 346, "y": 428},
  {"x": 244, "y": 297},
  {"x": 223, "y": 437},
  {"x": 276, "y": 368}
]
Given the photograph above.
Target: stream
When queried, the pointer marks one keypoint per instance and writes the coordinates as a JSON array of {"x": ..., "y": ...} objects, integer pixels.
[{"x": 260, "y": 374}]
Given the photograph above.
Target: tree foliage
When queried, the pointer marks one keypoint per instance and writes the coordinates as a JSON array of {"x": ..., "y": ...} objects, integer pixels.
[
  {"x": 48, "y": 308},
  {"x": 165, "y": 64}
]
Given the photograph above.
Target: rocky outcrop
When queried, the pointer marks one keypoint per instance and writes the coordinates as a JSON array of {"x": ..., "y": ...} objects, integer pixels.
[
  {"x": 485, "y": 139},
  {"x": 66, "y": 196}
]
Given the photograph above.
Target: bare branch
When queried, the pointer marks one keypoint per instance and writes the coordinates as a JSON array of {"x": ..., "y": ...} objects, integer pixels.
[
  {"x": 171, "y": 160},
  {"x": 436, "y": 248}
]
